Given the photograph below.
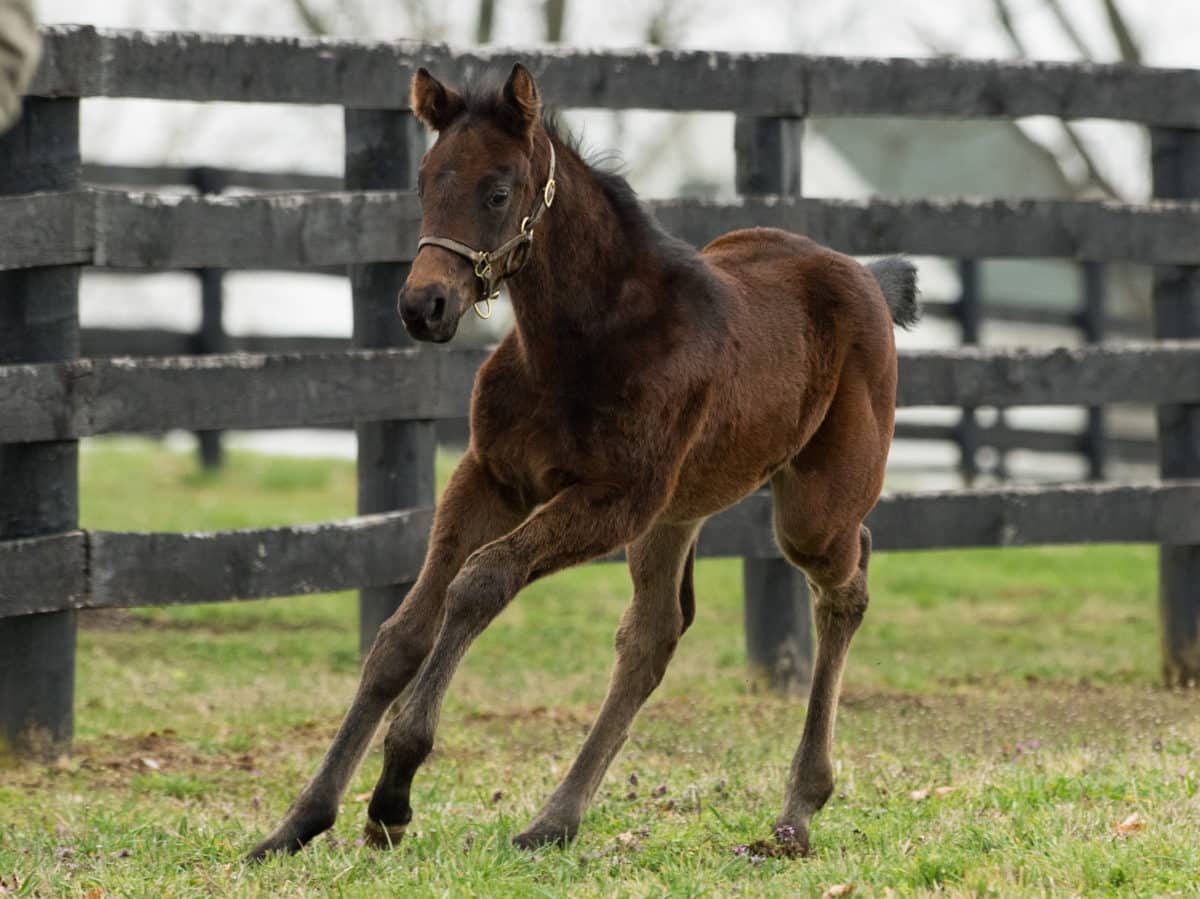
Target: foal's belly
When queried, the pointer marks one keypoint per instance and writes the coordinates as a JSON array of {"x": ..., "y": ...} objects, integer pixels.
[{"x": 731, "y": 460}]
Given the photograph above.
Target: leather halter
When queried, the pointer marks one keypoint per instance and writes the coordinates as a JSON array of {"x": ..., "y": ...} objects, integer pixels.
[{"x": 496, "y": 266}]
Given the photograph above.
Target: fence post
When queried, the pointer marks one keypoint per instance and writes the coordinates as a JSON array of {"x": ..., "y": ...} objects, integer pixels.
[
  {"x": 1092, "y": 321},
  {"x": 39, "y": 322},
  {"x": 1176, "y": 170},
  {"x": 211, "y": 337},
  {"x": 395, "y": 458},
  {"x": 778, "y": 620},
  {"x": 967, "y": 309}
]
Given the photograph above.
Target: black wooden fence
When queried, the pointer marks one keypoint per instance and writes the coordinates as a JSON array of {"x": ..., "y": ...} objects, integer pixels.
[
  {"x": 50, "y": 226},
  {"x": 1091, "y": 319}
]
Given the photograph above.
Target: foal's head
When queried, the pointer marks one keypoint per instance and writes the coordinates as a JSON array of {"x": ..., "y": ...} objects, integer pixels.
[{"x": 481, "y": 195}]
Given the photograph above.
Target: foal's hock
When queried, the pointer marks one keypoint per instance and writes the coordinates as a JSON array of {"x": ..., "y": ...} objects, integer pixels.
[{"x": 644, "y": 387}]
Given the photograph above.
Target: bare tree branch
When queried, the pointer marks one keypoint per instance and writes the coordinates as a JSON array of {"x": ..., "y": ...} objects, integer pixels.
[
  {"x": 486, "y": 22},
  {"x": 556, "y": 16},
  {"x": 1069, "y": 29},
  {"x": 1130, "y": 51},
  {"x": 312, "y": 21},
  {"x": 1095, "y": 177}
]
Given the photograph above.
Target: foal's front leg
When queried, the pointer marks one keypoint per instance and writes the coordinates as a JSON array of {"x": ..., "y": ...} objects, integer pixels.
[
  {"x": 649, "y": 631},
  {"x": 470, "y": 513},
  {"x": 580, "y": 523}
]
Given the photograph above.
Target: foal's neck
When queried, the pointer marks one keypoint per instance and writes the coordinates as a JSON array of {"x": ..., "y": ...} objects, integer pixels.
[{"x": 582, "y": 255}]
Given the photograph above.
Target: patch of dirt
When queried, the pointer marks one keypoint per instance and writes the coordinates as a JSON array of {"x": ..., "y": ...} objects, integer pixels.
[
  {"x": 763, "y": 849},
  {"x": 532, "y": 713},
  {"x": 114, "y": 761},
  {"x": 873, "y": 699}
]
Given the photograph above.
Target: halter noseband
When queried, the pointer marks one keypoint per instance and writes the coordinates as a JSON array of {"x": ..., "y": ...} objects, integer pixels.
[{"x": 513, "y": 253}]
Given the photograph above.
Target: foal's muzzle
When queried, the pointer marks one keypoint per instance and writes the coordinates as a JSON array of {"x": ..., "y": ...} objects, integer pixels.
[{"x": 429, "y": 312}]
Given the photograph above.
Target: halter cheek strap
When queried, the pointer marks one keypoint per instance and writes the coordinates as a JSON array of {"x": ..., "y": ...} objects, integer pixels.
[{"x": 495, "y": 266}]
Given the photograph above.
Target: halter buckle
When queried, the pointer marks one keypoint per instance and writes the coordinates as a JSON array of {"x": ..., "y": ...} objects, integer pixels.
[
  {"x": 483, "y": 267},
  {"x": 548, "y": 192}
]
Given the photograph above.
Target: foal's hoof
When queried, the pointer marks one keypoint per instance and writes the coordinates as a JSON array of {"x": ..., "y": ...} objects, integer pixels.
[
  {"x": 791, "y": 840},
  {"x": 539, "y": 837},
  {"x": 274, "y": 845},
  {"x": 383, "y": 836},
  {"x": 287, "y": 840}
]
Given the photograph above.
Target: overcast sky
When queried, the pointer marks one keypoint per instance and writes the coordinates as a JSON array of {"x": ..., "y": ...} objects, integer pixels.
[{"x": 1169, "y": 30}]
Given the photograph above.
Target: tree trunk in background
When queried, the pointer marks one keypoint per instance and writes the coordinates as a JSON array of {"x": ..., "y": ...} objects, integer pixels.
[
  {"x": 487, "y": 20},
  {"x": 556, "y": 15}
]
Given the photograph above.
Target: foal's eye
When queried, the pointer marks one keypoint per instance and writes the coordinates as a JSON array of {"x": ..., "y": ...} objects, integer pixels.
[{"x": 498, "y": 198}]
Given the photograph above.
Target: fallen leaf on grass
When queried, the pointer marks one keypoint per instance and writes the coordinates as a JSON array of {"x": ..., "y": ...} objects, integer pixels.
[
  {"x": 362, "y": 797},
  {"x": 152, "y": 765},
  {"x": 838, "y": 889},
  {"x": 1131, "y": 824},
  {"x": 95, "y": 893},
  {"x": 925, "y": 793}
]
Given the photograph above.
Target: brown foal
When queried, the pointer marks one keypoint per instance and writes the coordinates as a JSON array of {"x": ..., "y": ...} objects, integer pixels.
[{"x": 644, "y": 387}]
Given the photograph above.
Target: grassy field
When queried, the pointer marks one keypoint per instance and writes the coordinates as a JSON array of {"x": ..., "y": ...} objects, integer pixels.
[{"x": 1001, "y": 723}]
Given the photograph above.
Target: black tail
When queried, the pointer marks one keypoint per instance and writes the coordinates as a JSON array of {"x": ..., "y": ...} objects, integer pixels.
[{"x": 898, "y": 279}]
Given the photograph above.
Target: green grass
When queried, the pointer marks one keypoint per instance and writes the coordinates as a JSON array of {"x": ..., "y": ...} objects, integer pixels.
[{"x": 1025, "y": 680}]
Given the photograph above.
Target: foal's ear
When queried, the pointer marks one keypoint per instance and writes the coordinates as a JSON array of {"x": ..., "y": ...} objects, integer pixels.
[
  {"x": 522, "y": 101},
  {"x": 434, "y": 104}
]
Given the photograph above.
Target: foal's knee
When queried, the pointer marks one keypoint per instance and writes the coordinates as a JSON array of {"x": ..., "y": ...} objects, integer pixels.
[
  {"x": 644, "y": 647},
  {"x": 393, "y": 659}
]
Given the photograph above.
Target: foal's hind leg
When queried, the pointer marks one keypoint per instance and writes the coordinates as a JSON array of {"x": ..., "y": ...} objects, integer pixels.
[
  {"x": 838, "y": 609},
  {"x": 821, "y": 498},
  {"x": 469, "y": 514},
  {"x": 646, "y": 639}
]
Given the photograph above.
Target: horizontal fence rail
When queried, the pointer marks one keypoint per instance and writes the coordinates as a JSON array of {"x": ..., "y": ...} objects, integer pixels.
[
  {"x": 60, "y": 401},
  {"x": 81, "y": 61},
  {"x": 92, "y": 396},
  {"x": 1002, "y": 436},
  {"x": 102, "y": 569},
  {"x": 205, "y": 178},
  {"x": 312, "y": 229}
]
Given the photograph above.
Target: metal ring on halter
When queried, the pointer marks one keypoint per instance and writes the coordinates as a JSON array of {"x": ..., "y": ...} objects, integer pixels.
[{"x": 487, "y": 305}]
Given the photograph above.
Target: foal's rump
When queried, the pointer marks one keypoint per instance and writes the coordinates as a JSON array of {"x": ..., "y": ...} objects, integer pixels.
[{"x": 774, "y": 266}]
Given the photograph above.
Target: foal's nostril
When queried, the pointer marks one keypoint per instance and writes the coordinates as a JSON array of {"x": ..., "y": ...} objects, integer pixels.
[{"x": 439, "y": 309}]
